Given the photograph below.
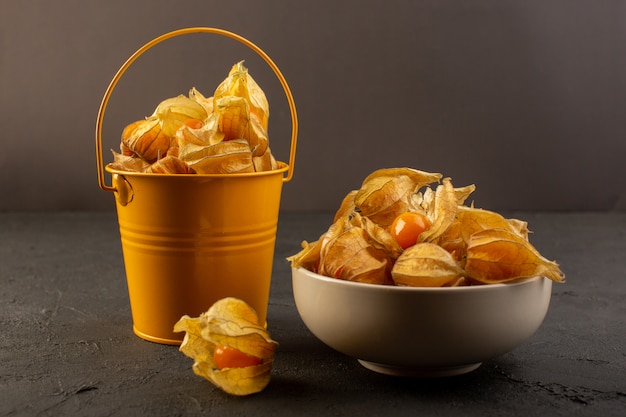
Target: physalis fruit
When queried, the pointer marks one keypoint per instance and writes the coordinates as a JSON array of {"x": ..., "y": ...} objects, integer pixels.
[{"x": 229, "y": 347}]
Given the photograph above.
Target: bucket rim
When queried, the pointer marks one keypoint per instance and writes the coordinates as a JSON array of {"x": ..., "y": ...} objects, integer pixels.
[{"x": 282, "y": 168}]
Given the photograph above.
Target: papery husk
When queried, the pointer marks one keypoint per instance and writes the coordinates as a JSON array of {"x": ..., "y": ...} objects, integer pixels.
[
  {"x": 347, "y": 205},
  {"x": 374, "y": 235},
  {"x": 152, "y": 138},
  {"x": 452, "y": 241},
  {"x": 206, "y": 102},
  {"x": 499, "y": 255},
  {"x": 173, "y": 112},
  {"x": 347, "y": 252},
  {"x": 349, "y": 257},
  {"x": 386, "y": 193},
  {"x": 440, "y": 208},
  {"x": 470, "y": 220},
  {"x": 146, "y": 139},
  {"x": 420, "y": 178},
  {"x": 519, "y": 227},
  {"x": 475, "y": 219},
  {"x": 308, "y": 257},
  {"x": 234, "y": 117},
  {"x": 195, "y": 346},
  {"x": 230, "y": 157},
  {"x": 257, "y": 136},
  {"x": 243, "y": 381},
  {"x": 169, "y": 165},
  {"x": 377, "y": 236},
  {"x": 128, "y": 163},
  {"x": 173, "y": 151},
  {"x": 230, "y": 322},
  {"x": 240, "y": 83},
  {"x": 463, "y": 193},
  {"x": 427, "y": 265},
  {"x": 126, "y": 150},
  {"x": 208, "y": 134},
  {"x": 264, "y": 162}
]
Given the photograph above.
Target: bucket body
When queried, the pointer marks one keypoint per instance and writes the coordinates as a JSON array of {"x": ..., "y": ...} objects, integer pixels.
[{"x": 190, "y": 240}]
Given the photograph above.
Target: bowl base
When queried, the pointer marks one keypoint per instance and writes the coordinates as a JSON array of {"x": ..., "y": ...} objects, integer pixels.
[{"x": 417, "y": 371}]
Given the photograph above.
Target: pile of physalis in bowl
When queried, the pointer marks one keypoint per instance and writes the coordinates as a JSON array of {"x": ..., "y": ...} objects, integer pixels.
[
  {"x": 397, "y": 230},
  {"x": 222, "y": 134}
]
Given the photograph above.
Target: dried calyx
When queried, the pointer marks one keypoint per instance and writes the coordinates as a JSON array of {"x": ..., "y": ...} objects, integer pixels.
[{"x": 232, "y": 324}]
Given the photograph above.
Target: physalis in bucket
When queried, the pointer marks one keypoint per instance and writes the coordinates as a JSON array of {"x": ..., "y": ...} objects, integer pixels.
[
  {"x": 222, "y": 134},
  {"x": 229, "y": 347},
  {"x": 412, "y": 228}
]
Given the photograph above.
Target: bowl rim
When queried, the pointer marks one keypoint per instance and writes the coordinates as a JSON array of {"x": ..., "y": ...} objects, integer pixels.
[{"x": 407, "y": 289}]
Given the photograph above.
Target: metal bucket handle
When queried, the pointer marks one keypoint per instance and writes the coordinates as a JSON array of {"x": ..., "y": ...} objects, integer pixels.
[{"x": 133, "y": 57}]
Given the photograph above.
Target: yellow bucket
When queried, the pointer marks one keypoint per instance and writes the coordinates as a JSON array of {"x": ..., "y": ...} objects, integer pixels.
[{"x": 189, "y": 240}]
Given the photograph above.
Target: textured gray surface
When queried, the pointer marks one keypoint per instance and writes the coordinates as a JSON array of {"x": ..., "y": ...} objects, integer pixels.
[{"x": 67, "y": 348}]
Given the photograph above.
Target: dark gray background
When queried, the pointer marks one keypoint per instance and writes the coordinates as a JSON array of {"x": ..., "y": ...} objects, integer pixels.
[{"x": 524, "y": 98}]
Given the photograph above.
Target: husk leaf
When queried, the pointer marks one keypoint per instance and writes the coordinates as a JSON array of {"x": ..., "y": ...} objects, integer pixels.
[
  {"x": 234, "y": 156},
  {"x": 239, "y": 83},
  {"x": 347, "y": 205},
  {"x": 470, "y": 220},
  {"x": 146, "y": 139},
  {"x": 173, "y": 112},
  {"x": 441, "y": 212},
  {"x": 169, "y": 165},
  {"x": 426, "y": 265},
  {"x": 234, "y": 117},
  {"x": 347, "y": 253},
  {"x": 386, "y": 193},
  {"x": 128, "y": 163},
  {"x": 233, "y": 323},
  {"x": 499, "y": 255}
]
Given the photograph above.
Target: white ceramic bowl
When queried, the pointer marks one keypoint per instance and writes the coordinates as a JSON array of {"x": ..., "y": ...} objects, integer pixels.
[{"x": 420, "y": 331}]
